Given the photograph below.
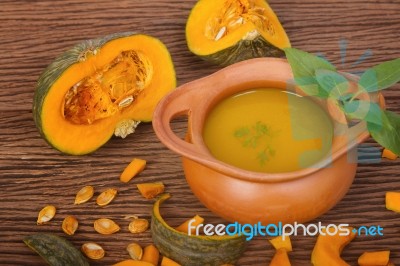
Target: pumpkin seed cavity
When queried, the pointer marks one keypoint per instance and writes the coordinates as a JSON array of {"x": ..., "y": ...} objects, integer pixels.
[
  {"x": 108, "y": 90},
  {"x": 234, "y": 14}
]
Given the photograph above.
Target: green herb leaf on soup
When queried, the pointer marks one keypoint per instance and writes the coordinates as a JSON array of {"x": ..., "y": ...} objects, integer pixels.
[
  {"x": 254, "y": 137},
  {"x": 241, "y": 132}
]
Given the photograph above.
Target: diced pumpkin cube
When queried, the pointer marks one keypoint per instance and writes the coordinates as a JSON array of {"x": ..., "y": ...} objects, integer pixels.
[
  {"x": 280, "y": 258},
  {"x": 278, "y": 243},
  {"x": 134, "y": 168},
  {"x": 168, "y": 262},
  {"x": 133, "y": 263},
  {"x": 151, "y": 254},
  {"x": 184, "y": 227},
  {"x": 150, "y": 190},
  {"x": 393, "y": 201},
  {"x": 389, "y": 154},
  {"x": 377, "y": 258}
]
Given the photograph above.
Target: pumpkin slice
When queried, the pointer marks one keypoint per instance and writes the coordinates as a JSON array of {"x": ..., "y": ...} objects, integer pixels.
[
  {"x": 193, "y": 250},
  {"x": 228, "y": 31},
  {"x": 101, "y": 87}
]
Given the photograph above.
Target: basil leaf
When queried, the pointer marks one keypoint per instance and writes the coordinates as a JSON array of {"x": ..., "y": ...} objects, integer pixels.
[
  {"x": 304, "y": 65},
  {"x": 381, "y": 76},
  {"x": 389, "y": 134},
  {"x": 334, "y": 84}
]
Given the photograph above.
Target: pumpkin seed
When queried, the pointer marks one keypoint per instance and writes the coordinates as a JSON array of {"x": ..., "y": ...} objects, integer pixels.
[
  {"x": 106, "y": 226},
  {"x": 135, "y": 251},
  {"x": 46, "y": 214},
  {"x": 138, "y": 226},
  {"x": 93, "y": 251},
  {"x": 70, "y": 225},
  {"x": 220, "y": 33},
  {"x": 127, "y": 101},
  {"x": 106, "y": 197},
  {"x": 131, "y": 217},
  {"x": 235, "y": 22},
  {"x": 84, "y": 195},
  {"x": 259, "y": 10}
]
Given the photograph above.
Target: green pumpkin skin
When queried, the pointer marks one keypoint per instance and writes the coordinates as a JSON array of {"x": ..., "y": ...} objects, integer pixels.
[
  {"x": 243, "y": 50},
  {"x": 55, "y": 250},
  {"x": 194, "y": 250}
]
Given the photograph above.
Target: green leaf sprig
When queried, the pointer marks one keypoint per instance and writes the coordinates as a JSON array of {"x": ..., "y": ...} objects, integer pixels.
[
  {"x": 319, "y": 78},
  {"x": 255, "y": 136}
]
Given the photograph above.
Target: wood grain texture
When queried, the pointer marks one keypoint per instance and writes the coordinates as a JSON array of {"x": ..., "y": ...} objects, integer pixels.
[{"x": 32, "y": 174}]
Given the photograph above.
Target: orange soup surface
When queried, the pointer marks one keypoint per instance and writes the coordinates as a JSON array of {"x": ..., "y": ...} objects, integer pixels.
[{"x": 268, "y": 130}]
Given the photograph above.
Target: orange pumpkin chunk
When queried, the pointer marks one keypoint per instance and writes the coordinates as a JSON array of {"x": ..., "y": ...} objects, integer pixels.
[
  {"x": 393, "y": 201},
  {"x": 389, "y": 154},
  {"x": 280, "y": 258},
  {"x": 134, "y": 168},
  {"x": 195, "y": 221},
  {"x": 150, "y": 190},
  {"x": 377, "y": 258},
  {"x": 168, "y": 262},
  {"x": 279, "y": 243},
  {"x": 327, "y": 249},
  {"x": 151, "y": 254}
]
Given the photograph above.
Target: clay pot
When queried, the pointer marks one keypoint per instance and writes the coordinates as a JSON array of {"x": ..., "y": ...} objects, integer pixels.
[{"x": 245, "y": 196}]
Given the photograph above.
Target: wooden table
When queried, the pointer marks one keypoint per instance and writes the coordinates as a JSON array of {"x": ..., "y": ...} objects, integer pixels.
[{"x": 33, "y": 175}]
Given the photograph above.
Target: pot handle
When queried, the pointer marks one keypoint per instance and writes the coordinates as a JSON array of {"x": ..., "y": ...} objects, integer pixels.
[{"x": 180, "y": 102}]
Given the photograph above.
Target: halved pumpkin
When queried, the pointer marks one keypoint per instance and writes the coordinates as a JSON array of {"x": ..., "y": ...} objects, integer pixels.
[
  {"x": 101, "y": 87},
  {"x": 228, "y": 31}
]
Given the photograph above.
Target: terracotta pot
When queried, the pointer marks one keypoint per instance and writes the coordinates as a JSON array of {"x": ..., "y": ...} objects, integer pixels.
[{"x": 245, "y": 196}]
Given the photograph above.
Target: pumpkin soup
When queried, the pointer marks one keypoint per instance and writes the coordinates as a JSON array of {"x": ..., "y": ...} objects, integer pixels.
[{"x": 268, "y": 130}]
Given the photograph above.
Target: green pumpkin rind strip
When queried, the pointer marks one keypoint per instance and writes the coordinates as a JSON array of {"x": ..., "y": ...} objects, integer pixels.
[
  {"x": 55, "y": 250},
  {"x": 193, "y": 250},
  {"x": 243, "y": 50},
  {"x": 54, "y": 71}
]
